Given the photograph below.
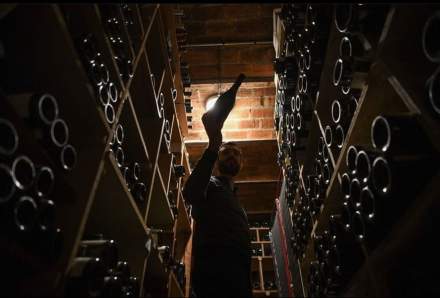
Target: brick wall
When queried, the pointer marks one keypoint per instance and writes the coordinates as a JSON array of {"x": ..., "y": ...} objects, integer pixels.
[{"x": 251, "y": 118}]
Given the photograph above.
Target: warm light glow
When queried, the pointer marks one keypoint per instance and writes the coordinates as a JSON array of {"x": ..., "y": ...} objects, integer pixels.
[{"x": 211, "y": 102}]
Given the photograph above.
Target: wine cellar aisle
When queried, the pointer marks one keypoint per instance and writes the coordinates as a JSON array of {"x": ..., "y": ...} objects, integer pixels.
[{"x": 337, "y": 120}]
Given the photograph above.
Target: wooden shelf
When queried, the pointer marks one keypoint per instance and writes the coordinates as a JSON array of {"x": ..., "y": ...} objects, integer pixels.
[
  {"x": 182, "y": 229},
  {"x": 174, "y": 289},
  {"x": 156, "y": 276},
  {"x": 159, "y": 215},
  {"x": 43, "y": 56},
  {"x": 260, "y": 293},
  {"x": 395, "y": 84}
]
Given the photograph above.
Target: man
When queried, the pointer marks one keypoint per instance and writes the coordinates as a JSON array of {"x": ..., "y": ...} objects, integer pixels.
[{"x": 221, "y": 240}]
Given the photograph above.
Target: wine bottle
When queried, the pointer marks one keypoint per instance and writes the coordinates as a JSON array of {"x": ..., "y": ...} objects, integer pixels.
[
  {"x": 103, "y": 95},
  {"x": 68, "y": 157},
  {"x": 139, "y": 191},
  {"x": 355, "y": 193},
  {"x": 112, "y": 287},
  {"x": 164, "y": 251},
  {"x": 256, "y": 285},
  {"x": 302, "y": 126},
  {"x": 179, "y": 170},
  {"x": 122, "y": 270},
  {"x": 7, "y": 184},
  {"x": 393, "y": 178},
  {"x": 46, "y": 215},
  {"x": 363, "y": 163},
  {"x": 432, "y": 87},
  {"x": 225, "y": 102},
  {"x": 88, "y": 50},
  {"x": 339, "y": 136},
  {"x": 347, "y": 250},
  {"x": 325, "y": 153},
  {"x": 134, "y": 285},
  {"x": 328, "y": 135},
  {"x": 23, "y": 172},
  {"x": 50, "y": 243},
  {"x": 38, "y": 110},
  {"x": 355, "y": 47},
  {"x": 104, "y": 249},
  {"x": 400, "y": 136},
  {"x": 350, "y": 159},
  {"x": 341, "y": 112},
  {"x": 25, "y": 215},
  {"x": 345, "y": 185},
  {"x": 109, "y": 113},
  {"x": 349, "y": 73},
  {"x": 429, "y": 41},
  {"x": 303, "y": 105},
  {"x": 120, "y": 135},
  {"x": 85, "y": 277},
  {"x": 360, "y": 18},
  {"x": 9, "y": 140},
  {"x": 119, "y": 156},
  {"x": 134, "y": 172}
]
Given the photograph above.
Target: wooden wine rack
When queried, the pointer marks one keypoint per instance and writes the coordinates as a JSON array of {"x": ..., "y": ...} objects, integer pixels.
[
  {"x": 262, "y": 266},
  {"x": 395, "y": 85},
  {"x": 93, "y": 198}
]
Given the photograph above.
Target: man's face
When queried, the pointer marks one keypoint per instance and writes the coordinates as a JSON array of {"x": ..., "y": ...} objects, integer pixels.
[{"x": 229, "y": 160}]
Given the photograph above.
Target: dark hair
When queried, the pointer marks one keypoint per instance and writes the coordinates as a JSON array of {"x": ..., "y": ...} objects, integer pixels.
[{"x": 230, "y": 143}]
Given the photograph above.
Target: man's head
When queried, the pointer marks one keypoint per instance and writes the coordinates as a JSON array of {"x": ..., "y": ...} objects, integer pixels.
[{"x": 229, "y": 159}]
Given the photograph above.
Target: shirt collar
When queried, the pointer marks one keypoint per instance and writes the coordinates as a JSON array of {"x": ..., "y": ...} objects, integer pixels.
[{"x": 227, "y": 181}]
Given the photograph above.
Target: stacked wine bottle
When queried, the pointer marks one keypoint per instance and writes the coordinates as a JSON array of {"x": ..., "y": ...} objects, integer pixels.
[
  {"x": 131, "y": 170},
  {"x": 128, "y": 16},
  {"x": 106, "y": 91},
  {"x": 431, "y": 50},
  {"x": 298, "y": 69},
  {"x": 178, "y": 172},
  {"x": 349, "y": 76},
  {"x": 380, "y": 173},
  {"x": 98, "y": 272},
  {"x": 114, "y": 25},
  {"x": 25, "y": 198}
]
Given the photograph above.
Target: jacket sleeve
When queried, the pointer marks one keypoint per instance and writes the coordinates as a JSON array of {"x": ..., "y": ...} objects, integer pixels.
[{"x": 196, "y": 186}]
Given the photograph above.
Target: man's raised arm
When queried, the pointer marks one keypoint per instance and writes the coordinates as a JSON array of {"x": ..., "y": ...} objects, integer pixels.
[{"x": 197, "y": 183}]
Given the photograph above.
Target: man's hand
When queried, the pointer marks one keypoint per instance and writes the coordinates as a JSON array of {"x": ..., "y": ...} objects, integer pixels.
[{"x": 213, "y": 129}]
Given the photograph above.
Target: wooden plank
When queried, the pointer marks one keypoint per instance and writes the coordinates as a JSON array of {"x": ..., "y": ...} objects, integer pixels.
[
  {"x": 174, "y": 289},
  {"x": 182, "y": 230}
]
